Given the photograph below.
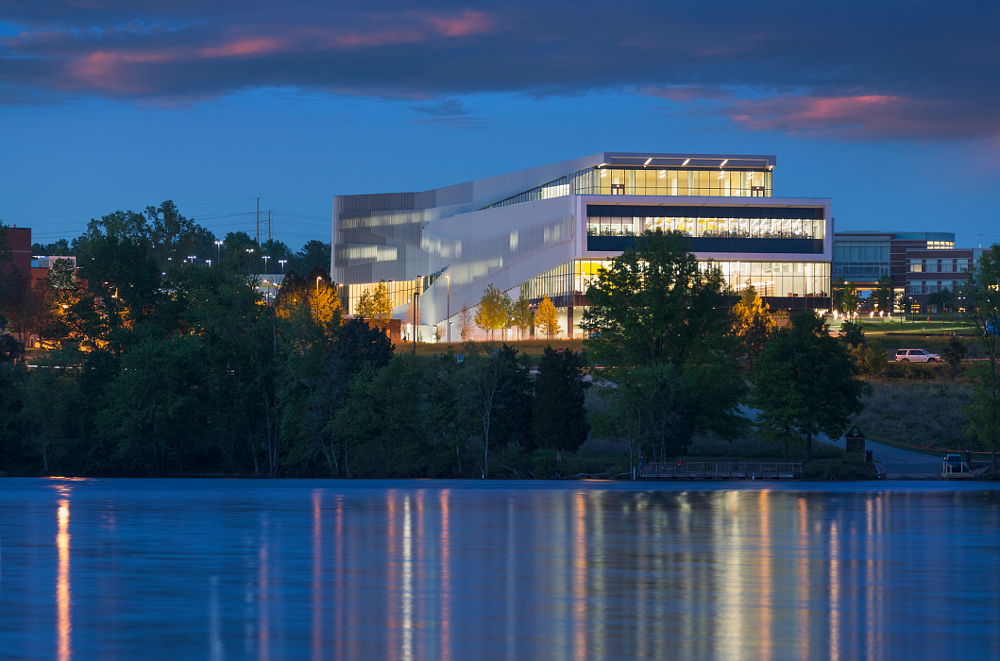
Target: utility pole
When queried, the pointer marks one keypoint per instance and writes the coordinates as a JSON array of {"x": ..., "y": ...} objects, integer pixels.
[
  {"x": 258, "y": 221},
  {"x": 268, "y": 225}
]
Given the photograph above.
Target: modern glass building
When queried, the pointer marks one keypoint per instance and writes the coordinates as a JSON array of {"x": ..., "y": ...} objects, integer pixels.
[{"x": 546, "y": 231}]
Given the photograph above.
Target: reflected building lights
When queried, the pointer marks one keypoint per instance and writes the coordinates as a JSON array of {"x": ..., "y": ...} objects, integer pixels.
[
  {"x": 65, "y": 624},
  {"x": 580, "y": 577},
  {"x": 834, "y": 582},
  {"x": 766, "y": 608},
  {"x": 511, "y": 587},
  {"x": 731, "y": 542},
  {"x": 317, "y": 576},
  {"x": 340, "y": 582},
  {"x": 419, "y": 550},
  {"x": 214, "y": 634},
  {"x": 392, "y": 567},
  {"x": 263, "y": 623},
  {"x": 803, "y": 581},
  {"x": 445, "y": 643},
  {"x": 407, "y": 596},
  {"x": 598, "y": 578}
]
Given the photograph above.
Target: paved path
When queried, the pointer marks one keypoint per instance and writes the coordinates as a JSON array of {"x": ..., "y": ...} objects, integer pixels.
[{"x": 899, "y": 464}]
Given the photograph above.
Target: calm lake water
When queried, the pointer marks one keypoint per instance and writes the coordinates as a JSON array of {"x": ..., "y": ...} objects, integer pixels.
[{"x": 406, "y": 570}]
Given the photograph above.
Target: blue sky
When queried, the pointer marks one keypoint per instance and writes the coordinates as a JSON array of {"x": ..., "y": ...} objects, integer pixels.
[{"x": 891, "y": 111}]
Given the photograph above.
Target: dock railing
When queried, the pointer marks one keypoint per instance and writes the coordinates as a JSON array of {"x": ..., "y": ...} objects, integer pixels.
[{"x": 704, "y": 470}]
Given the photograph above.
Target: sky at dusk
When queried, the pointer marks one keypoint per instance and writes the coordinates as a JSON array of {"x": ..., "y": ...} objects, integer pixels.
[{"x": 892, "y": 108}]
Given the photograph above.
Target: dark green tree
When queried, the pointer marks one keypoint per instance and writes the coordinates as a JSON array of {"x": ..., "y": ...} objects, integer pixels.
[
  {"x": 955, "y": 353},
  {"x": 883, "y": 294},
  {"x": 153, "y": 410},
  {"x": 496, "y": 390},
  {"x": 314, "y": 253},
  {"x": 805, "y": 382},
  {"x": 654, "y": 304},
  {"x": 943, "y": 300},
  {"x": 982, "y": 309},
  {"x": 852, "y": 333},
  {"x": 384, "y": 424},
  {"x": 559, "y": 414}
]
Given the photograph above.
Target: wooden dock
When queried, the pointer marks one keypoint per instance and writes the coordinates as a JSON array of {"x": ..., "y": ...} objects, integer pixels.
[{"x": 720, "y": 470}]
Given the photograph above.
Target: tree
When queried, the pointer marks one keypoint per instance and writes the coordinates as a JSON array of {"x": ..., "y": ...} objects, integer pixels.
[
  {"x": 982, "y": 309},
  {"x": 943, "y": 300},
  {"x": 465, "y": 323},
  {"x": 488, "y": 383},
  {"x": 869, "y": 356},
  {"x": 955, "y": 353},
  {"x": 521, "y": 315},
  {"x": 752, "y": 322},
  {"x": 493, "y": 312},
  {"x": 845, "y": 296},
  {"x": 323, "y": 299},
  {"x": 805, "y": 382},
  {"x": 852, "y": 333},
  {"x": 151, "y": 410},
  {"x": 375, "y": 305},
  {"x": 883, "y": 294},
  {"x": 904, "y": 303},
  {"x": 547, "y": 318},
  {"x": 383, "y": 422},
  {"x": 654, "y": 303},
  {"x": 314, "y": 253},
  {"x": 559, "y": 416}
]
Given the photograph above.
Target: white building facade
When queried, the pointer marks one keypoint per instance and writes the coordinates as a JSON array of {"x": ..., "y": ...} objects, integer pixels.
[{"x": 547, "y": 231}]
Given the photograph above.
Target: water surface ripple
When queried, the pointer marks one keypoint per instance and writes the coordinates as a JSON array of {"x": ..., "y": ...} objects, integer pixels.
[{"x": 413, "y": 570}]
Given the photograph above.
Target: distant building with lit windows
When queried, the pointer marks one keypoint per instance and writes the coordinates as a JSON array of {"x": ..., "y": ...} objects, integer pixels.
[
  {"x": 918, "y": 263},
  {"x": 547, "y": 230}
]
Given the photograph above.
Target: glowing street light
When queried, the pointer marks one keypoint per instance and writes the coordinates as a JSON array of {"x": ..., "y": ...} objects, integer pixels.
[
  {"x": 282, "y": 262},
  {"x": 218, "y": 250}
]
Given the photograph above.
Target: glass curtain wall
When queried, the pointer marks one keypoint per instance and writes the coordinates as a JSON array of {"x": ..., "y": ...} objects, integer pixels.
[
  {"x": 400, "y": 293},
  {"x": 746, "y": 228},
  {"x": 632, "y": 181},
  {"x": 716, "y": 183},
  {"x": 786, "y": 279}
]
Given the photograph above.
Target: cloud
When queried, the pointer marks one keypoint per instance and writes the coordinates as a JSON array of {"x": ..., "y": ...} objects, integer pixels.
[
  {"x": 447, "y": 108},
  {"x": 865, "y": 117},
  {"x": 897, "y": 69}
]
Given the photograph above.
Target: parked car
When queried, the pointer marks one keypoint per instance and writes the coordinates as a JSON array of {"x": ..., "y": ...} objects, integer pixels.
[
  {"x": 916, "y": 356},
  {"x": 954, "y": 463}
]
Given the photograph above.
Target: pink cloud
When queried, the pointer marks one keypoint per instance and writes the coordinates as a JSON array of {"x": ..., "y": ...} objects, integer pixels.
[
  {"x": 113, "y": 72},
  {"x": 869, "y": 115},
  {"x": 253, "y": 46},
  {"x": 854, "y": 116},
  {"x": 470, "y": 22}
]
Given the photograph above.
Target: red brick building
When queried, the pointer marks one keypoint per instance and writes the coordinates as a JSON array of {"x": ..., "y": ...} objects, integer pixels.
[{"x": 19, "y": 240}]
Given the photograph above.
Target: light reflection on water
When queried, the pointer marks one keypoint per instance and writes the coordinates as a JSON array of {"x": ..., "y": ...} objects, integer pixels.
[{"x": 423, "y": 570}]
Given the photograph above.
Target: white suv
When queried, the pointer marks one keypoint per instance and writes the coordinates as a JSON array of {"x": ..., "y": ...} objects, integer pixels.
[{"x": 916, "y": 356}]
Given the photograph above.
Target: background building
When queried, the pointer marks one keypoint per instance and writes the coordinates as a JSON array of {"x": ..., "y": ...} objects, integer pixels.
[
  {"x": 546, "y": 231},
  {"x": 19, "y": 242},
  {"x": 918, "y": 263}
]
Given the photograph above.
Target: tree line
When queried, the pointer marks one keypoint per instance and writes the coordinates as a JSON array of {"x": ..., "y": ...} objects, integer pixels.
[{"x": 189, "y": 370}]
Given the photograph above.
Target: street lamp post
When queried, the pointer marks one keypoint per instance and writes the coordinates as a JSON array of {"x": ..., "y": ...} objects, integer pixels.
[
  {"x": 282, "y": 262},
  {"x": 218, "y": 250},
  {"x": 192, "y": 258},
  {"x": 266, "y": 257},
  {"x": 416, "y": 310}
]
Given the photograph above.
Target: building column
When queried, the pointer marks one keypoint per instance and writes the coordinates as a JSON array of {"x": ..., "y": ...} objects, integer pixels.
[{"x": 569, "y": 322}]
